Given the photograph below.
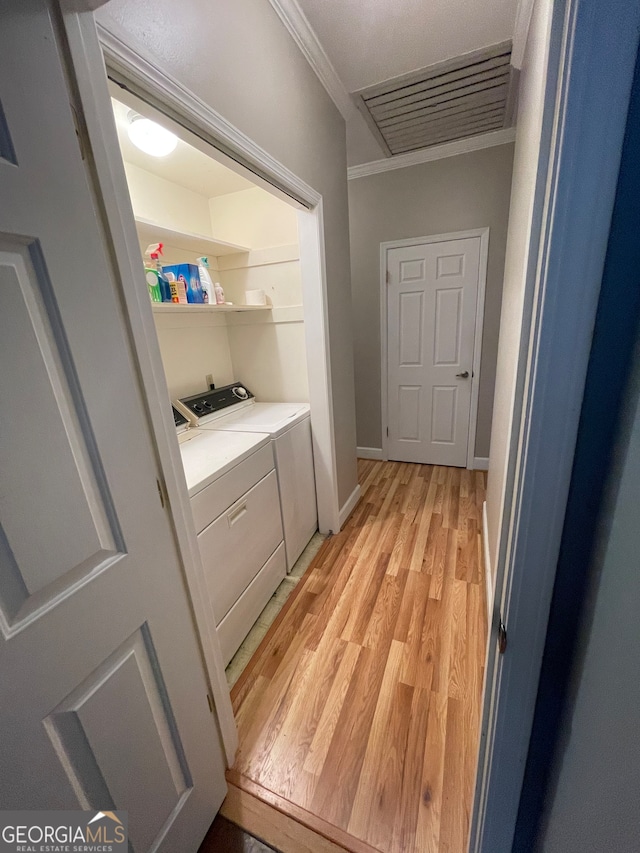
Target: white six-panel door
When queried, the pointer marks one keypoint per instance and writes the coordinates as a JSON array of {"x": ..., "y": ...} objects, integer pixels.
[
  {"x": 103, "y": 700},
  {"x": 432, "y": 292}
]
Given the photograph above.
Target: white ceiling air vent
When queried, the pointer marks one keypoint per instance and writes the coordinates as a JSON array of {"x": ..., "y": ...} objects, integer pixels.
[{"x": 465, "y": 96}]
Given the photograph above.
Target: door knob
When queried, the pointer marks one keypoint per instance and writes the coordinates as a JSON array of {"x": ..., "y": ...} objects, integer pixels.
[{"x": 464, "y": 375}]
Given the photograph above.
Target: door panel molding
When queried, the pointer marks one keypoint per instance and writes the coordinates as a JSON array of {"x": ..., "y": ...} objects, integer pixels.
[
  {"x": 443, "y": 271},
  {"x": 42, "y": 566}
]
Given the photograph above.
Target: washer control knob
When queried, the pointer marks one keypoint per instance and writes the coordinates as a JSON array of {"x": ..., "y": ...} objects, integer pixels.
[{"x": 241, "y": 392}]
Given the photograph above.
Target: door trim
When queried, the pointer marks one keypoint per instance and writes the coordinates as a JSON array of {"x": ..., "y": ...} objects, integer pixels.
[
  {"x": 574, "y": 196},
  {"x": 146, "y": 80},
  {"x": 483, "y": 234},
  {"x": 114, "y": 207},
  {"x": 89, "y": 50}
]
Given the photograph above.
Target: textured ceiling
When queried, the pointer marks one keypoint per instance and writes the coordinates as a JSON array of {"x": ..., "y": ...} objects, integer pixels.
[{"x": 369, "y": 41}]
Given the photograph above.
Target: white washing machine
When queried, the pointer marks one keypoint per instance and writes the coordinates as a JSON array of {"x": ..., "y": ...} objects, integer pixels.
[{"x": 234, "y": 409}]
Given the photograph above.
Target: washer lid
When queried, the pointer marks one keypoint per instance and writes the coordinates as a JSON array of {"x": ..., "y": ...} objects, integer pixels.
[{"x": 274, "y": 418}]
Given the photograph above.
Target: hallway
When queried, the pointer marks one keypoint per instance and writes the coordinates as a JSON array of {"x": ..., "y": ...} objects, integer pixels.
[{"x": 359, "y": 713}]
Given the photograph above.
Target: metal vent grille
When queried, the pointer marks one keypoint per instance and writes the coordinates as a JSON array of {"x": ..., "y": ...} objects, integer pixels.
[{"x": 461, "y": 97}]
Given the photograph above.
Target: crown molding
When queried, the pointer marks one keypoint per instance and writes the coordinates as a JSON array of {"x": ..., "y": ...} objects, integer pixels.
[
  {"x": 437, "y": 152},
  {"x": 302, "y": 33},
  {"x": 520, "y": 32}
]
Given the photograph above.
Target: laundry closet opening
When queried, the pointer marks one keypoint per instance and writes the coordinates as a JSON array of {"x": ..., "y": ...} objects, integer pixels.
[{"x": 222, "y": 265}]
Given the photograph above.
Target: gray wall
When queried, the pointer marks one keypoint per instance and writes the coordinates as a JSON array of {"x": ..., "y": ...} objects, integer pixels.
[
  {"x": 455, "y": 194},
  {"x": 238, "y": 58},
  {"x": 594, "y": 806}
]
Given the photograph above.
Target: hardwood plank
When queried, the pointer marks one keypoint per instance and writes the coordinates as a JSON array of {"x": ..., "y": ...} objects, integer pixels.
[
  {"x": 424, "y": 523},
  {"x": 247, "y": 709},
  {"x": 280, "y": 644},
  {"x": 458, "y": 670},
  {"x": 431, "y": 553},
  {"x": 329, "y": 666},
  {"x": 404, "y": 545},
  {"x": 257, "y": 736},
  {"x": 429, "y": 645},
  {"x": 454, "y": 825},
  {"x": 467, "y": 557},
  {"x": 283, "y": 757},
  {"x": 336, "y": 602},
  {"x": 443, "y": 658},
  {"x": 338, "y": 780},
  {"x": 445, "y": 541},
  {"x": 282, "y": 771},
  {"x": 401, "y": 630},
  {"x": 326, "y": 727},
  {"x": 467, "y": 500},
  {"x": 360, "y": 616},
  {"x": 411, "y": 657},
  {"x": 427, "y": 835},
  {"x": 375, "y": 804},
  {"x": 385, "y": 613},
  {"x": 451, "y": 499},
  {"x": 404, "y": 830}
]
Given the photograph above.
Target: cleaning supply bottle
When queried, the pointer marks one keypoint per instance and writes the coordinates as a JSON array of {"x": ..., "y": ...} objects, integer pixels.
[
  {"x": 160, "y": 289},
  {"x": 205, "y": 280},
  {"x": 155, "y": 293},
  {"x": 219, "y": 293}
]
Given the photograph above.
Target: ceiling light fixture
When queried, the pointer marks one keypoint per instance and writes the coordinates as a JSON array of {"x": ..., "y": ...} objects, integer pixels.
[{"x": 150, "y": 137}]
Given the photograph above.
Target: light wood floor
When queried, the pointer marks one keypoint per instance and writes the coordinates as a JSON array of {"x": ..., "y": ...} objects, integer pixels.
[{"x": 359, "y": 713}]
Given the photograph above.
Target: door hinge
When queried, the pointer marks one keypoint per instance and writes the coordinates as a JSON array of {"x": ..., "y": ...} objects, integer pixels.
[
  {"x": 210, "y": 702},
  {"x": 502, "y": 637},
  {"x": 388, "y": 277},
  {"x": 161, "y": 493},
  {"x": 79, "y": 133}
]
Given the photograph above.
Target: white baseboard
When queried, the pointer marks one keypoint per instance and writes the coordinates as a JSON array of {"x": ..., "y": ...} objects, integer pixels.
[
  {"x": 487, "y": 564},
  {"x": 369, "y": 452},
  {"x": 347, "y": 509},
  {"x": 480, "y": 463}
]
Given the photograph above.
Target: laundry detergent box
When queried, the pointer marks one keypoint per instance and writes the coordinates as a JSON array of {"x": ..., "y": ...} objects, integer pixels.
[{"x": 187, "y": 273}]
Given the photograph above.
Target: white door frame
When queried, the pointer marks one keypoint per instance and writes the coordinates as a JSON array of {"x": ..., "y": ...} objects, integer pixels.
[
  {"x": 575, "y": 190},
  {"x": 483, "y": 234},
  {"x": 147, "y": 80},
  {"x": 89, "y": 50}
]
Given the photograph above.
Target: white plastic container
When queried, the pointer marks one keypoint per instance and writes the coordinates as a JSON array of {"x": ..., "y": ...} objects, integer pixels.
[{"x": 205, "y": 280}]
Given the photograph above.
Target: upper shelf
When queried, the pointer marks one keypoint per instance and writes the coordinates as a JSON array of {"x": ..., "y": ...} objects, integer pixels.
[
  {"x": 151, "y": 232},
  {"x": 190, "y": 308}
]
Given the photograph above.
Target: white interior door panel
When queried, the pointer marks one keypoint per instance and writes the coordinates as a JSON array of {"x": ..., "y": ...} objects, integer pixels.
[
  {"x": 103, "y": 699},
  {"x": 432, "y": 292}
]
